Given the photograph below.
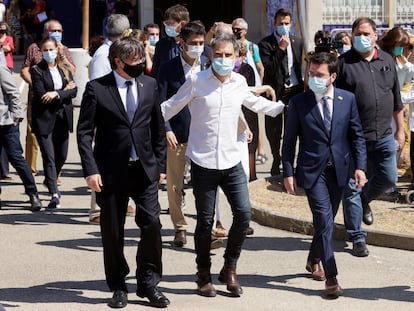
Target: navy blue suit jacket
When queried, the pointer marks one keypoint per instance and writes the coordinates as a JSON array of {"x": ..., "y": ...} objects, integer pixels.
[
  {"x": 346, "y": 141},
  {"x": 165, "y": 49},
  {"x": 170, "y": 78}
]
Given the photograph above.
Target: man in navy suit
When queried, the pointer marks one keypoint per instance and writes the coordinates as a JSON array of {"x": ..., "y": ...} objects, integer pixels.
[
  {"x": 331, "y": 141},
  {"x": 172, "y": 75},
  {"x": 121, "y": 110}
]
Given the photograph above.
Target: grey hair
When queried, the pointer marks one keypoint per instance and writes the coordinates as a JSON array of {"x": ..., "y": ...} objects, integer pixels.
[
  {"x": 227, "y": 38},
  {"x": 47, "y": 24},
  {"x": 126, "y": 48},
  {"x": 241, "y": 21},
  {"x": 116, "y": 25}
]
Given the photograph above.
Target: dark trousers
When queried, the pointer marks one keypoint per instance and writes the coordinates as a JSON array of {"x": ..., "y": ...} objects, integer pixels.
[
  {"x": 233, "y": 182},
  {"x": 4, "y": 163},
  {"x": 54, "y": 149},
  {"x": 324, "y": 198},
  {"x": 274, "y": 128},
  {"x": 10, "y": 141},
  {"x": 113, "y": 201}
]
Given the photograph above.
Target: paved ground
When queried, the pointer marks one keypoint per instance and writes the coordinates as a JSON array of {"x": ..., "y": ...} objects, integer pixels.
[{"x": 53, "y": 261}]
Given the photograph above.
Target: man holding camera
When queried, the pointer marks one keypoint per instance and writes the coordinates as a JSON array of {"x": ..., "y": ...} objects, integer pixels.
[{"x": 281, "y": 54}]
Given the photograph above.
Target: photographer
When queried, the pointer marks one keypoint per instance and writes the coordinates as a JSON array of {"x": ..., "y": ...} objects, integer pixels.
[{"x": 323, "y": 43}]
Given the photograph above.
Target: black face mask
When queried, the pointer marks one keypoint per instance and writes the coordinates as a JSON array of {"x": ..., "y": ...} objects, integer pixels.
[
  {"x": 134, "y": 70},
  {"x": 3, "y": 31},
  {"x": 238, "y": 35}
]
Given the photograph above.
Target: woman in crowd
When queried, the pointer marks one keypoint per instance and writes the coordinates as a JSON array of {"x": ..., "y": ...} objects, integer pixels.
[
  {"x": 396, "y": 42},
  {"x": 7, "y": 45},
  {"x": 52, "y": 114}
]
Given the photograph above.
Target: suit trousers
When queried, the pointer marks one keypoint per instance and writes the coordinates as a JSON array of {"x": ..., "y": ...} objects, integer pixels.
[
  {"x": 176, "y": 161},
  {"x": 113, "y": 201},
  {"x": 324, "y": 198},
  {"x": 32, "y": 146},
  {"x": 54, "y": 149}
]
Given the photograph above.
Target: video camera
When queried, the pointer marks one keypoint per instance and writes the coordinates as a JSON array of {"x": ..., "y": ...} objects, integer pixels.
[{"x": 328, "y": 45}]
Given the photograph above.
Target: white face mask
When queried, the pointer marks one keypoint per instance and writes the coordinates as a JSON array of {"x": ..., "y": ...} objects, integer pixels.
[{"x": 195, "y": 51}]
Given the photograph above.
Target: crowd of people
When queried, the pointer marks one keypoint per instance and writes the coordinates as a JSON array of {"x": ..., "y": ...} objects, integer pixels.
[{"x": 156, "y": 106}]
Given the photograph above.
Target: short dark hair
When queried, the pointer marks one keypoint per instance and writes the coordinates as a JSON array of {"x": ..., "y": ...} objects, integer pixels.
[
  {"x": 192, "y": 28},
  {"x": 363, "y": 20},
  {"x": 326, "y": 58},
  {"x": 126, "y": 48},
  {"x": 283, "y": 12},
  {"x": 178, "y": 13}
]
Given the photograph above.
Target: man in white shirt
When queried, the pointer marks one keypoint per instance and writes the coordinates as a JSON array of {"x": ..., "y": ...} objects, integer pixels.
[{"x": 214, "y": 97}]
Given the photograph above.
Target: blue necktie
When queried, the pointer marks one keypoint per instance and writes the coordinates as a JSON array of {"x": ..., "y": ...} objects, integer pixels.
[
  {"x": 327, "y": 117},
  {"x": 131, "y": 108}
]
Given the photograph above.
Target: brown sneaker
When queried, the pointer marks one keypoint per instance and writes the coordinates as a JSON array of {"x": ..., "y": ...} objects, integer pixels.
[
  {"x": 180, "y": 238},
  {"x": 95, "y": 221}
]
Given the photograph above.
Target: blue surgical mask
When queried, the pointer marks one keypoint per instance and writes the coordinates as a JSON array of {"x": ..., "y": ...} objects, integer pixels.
[
  {"x": 283, "y": 30},
  {"x": 49, "y": 56},
  {"x": 344, "y": 49},
  {"x": 56, "y": 35},
  {"x": 362, "y": 44},
  {"x": 398, "y": 50},
  {"x": 170, "y": 31},
  {"x": 223, "y": 66},
  {"x": 317, "y": 85},
  {"x": 153, "y": 40}
]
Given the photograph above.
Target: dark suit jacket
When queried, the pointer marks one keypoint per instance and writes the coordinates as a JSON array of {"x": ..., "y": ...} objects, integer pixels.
[
  {"x": 103, "y": 116},
  {"x": 170, "y": 79},
  {"x": 165, "y": 49},
  {"x": 272, "y": 57},
  {"x": 44, "y": 115},
  {"x": 347, "y": 141}
]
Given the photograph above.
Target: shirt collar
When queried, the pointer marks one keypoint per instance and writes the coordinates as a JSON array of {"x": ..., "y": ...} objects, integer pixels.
[
  {"x": 120, "y": 81},
  {"x": 329, "y": 94}
]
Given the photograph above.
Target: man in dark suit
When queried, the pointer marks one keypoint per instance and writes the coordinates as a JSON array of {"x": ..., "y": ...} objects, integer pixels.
[
  {"x": 281, "y": 54},
  {"x": 331, "y": 141},
  {"x": 172, "y": 75},
  {"x": 122, "y": 111},
  {"x": 169, "y": 47}
]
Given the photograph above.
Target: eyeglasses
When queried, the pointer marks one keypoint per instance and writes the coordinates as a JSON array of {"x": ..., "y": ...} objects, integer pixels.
[
  {"x": 138, "y": 61},
  {"x": 169, "y": 24},
  {"x": 237, "y": 29}
]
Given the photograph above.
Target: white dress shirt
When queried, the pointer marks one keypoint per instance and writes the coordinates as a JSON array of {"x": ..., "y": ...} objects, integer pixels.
[
  {"x": 330, "y": 95},
  {"x": 100, "y": 65},
  {"x": 122, "y": 88},
  {"x": 215, "y": 109}
]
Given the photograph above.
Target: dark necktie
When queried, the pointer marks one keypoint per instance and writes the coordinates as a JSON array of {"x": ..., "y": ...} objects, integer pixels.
[
  {"x": 131, "y": 108},
  {"x": 327, "y": 117},
  {"x": 286, "y": 69}
]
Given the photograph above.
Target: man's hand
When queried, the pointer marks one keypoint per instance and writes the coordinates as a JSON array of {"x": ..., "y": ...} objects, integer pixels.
[
  {"x": 70, "y": 85},
  {"x": 284, "y": 42},
  {"x": 400, "y": 137},
  {"x": 360, "y": 178},
  {"x": 171, "y": 140},
  {"x": 249, "y": 135},
  {"x": 290, "y": 184},
  {"x": 162, "y": 177},
  {"x": 94, "y": 182}
]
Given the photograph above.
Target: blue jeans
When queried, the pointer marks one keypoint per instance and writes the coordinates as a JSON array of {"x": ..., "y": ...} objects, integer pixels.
[
  {"x": 382, "y": 174},
  {"x": 10, "y": 141},
  {"x": 233, "y": 182}
]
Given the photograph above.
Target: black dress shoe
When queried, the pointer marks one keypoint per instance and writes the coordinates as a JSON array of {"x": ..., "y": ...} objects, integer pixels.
[
  {"x": 155, "y": 297},
  {"x": 119, "y": 299},
  {"x": 367, "y": 216},
  {"x": 35, "y": 204},
  {"x": 359, "y": 249}
]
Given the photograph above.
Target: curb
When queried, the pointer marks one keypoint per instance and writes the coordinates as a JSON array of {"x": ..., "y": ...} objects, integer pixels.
[{"x": 268, "y": 218}]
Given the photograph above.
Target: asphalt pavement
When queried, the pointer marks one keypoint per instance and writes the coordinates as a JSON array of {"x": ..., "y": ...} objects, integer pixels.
[{"x": 53, "y": 260}]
